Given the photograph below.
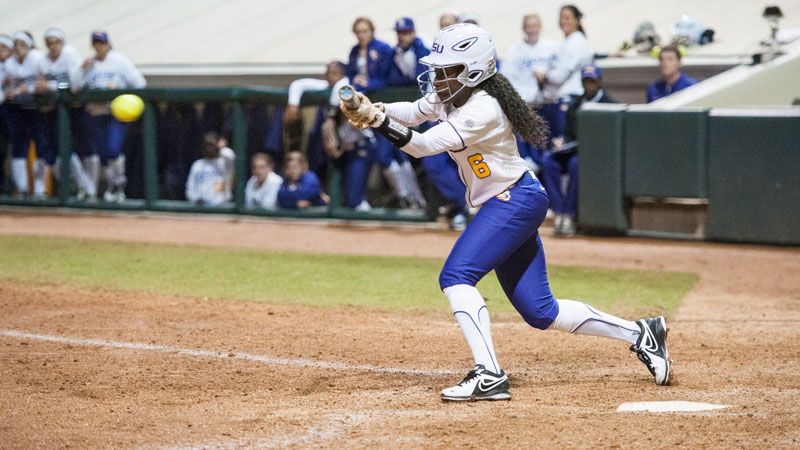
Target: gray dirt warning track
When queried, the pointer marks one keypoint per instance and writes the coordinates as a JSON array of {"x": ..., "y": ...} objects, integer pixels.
[{"x": 94, "y": 369}]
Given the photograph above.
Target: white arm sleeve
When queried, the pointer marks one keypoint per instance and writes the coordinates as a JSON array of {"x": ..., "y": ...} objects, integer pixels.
[
  {"x": 410, "y": 114},
  {"x": 469, "y": 126},
  {"x": 298, "y": 87},
  {"x": 132, "y": 76},
  {"x": 569, "y": 59}
]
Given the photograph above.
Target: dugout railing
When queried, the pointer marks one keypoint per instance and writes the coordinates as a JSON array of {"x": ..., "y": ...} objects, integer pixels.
[{"x": 237, "y": 98}]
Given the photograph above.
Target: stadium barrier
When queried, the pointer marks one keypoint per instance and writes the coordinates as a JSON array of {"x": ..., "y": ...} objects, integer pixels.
[
  {"x": 741, "y": 166},
  {"x": 237, "y": 98}
]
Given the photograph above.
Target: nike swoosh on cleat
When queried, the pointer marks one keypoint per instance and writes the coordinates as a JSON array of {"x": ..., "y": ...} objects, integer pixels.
[{"x": 486, "y": 387}]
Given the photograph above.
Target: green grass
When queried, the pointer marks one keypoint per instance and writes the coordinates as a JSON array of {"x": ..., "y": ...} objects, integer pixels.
[{"x": 304, "y": 278}]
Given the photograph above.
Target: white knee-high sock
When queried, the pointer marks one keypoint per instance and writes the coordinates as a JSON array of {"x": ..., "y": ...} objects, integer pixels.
[
  {"x": 580, "y": 318},
  {"x": 412, "y": 183},
  {"x": 91, "y": 165},
  {"x": 19, "y": 172},
  {"x": 473, "y": 317},
  {"x": 120, "y": 180},
  {"x": 39, "y": 174},
  {"x": 394, "y": 177}
]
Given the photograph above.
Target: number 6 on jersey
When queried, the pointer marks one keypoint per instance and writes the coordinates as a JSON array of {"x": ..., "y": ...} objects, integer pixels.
[{"x": 479, "y": 166}]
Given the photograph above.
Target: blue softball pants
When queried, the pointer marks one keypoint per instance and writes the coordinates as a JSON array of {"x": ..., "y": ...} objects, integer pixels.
[
  {"x": 24, "y": 125},
  {"x": 106, "y": 137},
  {"x": 553, "y": 166},
  {"x": 504, "y": 236},
  {"x": 355, "y": 166}
]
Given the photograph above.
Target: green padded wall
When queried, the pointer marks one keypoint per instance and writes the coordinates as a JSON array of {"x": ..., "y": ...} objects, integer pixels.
[
  {"x": 754, "y": 177},
  {"x": 600, "y": 197},
  {"x": 665, "y": 154}
]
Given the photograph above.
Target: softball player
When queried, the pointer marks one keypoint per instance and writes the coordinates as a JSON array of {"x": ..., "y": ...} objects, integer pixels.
[
  {"x": 478, "y": 111},
  {"x": 108, "y": 69},
  {"x": 61, "y": 71}
]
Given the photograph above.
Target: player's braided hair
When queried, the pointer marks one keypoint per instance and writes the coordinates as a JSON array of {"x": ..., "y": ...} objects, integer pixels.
[{"x": 524, "y": 120}]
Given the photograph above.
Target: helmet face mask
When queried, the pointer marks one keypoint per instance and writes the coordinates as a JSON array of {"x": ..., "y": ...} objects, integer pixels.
[
  {"x": 436, "y": 82},
  {"x": 464, "y": 46}
]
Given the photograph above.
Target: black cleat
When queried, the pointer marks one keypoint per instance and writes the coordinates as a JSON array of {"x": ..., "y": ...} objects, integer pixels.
[
  {"x": 479, "y": 384},
  {"x": 651, "y": 348}
]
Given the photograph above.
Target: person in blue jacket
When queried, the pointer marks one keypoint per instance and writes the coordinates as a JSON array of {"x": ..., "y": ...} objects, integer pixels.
[
  {"x": 405, "y": 59},
  {"x": 672, "y": 77},
  {"x": 301, "y": 187},
  {"x": 369, "y": 67},
  {"x": 370, "y": 60}
]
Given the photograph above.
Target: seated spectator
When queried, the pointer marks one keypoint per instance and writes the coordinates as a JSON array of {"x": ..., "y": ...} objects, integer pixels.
[
  {"x": 409, "y": 49},
  {"x": 331, "y": 136},
  {"x": 208, "y": 176},
  {"x": 301, "y": 188},
  {"x": 262, "y": 188},
  {"x": 672, "y": 77},
  {"x": 564, "y": 157}
]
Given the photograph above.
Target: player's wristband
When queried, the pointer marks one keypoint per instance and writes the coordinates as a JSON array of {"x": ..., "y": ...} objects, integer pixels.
[{"x": 396, "y": 133}]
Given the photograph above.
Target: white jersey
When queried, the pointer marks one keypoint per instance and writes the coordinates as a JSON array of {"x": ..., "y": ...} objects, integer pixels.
[
  {"x": 478, "y": 136},
  {"x": 23, "y": 74},
  {"x": 521, "y": 60},
  {"x": 114, "y": 72},
  {"x": 564, "y": 78},
  {"x": 264, "y": 195},
  {"x": 207, "y": 180},
  {"x": 64, "y": 72}
]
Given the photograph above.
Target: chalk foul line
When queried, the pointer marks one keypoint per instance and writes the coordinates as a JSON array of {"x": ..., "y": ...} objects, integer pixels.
[{"x": 199, "y": 353}]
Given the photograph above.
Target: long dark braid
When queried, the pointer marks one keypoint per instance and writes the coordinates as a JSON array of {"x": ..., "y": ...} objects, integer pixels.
[{"x": 524, "y": 120}]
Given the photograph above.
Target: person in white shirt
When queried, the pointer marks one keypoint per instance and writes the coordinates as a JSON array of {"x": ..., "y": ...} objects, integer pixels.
[
  {"x": 209, "y": 175},
  {"x": 563, "y": 80},
  {"x": 527, "y": 57},
  {"x": 523, "y": 60},
  {"x": 262, "y": 188},
  {"x": 478, "y": 112},
  {"x": 22, "y": 70},
  {"x": 351, "y": 149},
  {"x": 108, "y": 69},
  {"x": 61, "y": 71}
]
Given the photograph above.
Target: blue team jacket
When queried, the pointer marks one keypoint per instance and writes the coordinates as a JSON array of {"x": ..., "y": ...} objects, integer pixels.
[
  {"x": 660, "y": 88},
  {"x": 396, "y": 77},
  {"x": 308, "y": 188},
  {"x": 379, "y": 64}
]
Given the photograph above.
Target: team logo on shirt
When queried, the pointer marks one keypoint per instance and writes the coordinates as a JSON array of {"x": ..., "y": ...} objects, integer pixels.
[
  {"x": 469, "y": 123},
  {"x": 373, "y": 54},
  {"x": 504, "y": 196}
]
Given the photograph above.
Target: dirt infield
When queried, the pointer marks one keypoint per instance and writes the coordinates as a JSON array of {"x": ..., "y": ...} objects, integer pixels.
[{"x": 97, "y": 369}]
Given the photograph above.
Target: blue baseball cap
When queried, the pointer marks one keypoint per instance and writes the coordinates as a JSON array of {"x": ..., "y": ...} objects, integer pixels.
[
  {"x": 100, "y": 36},
  {"x": 404, "y": 24},
  {"x": 591, "y": 71}
]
